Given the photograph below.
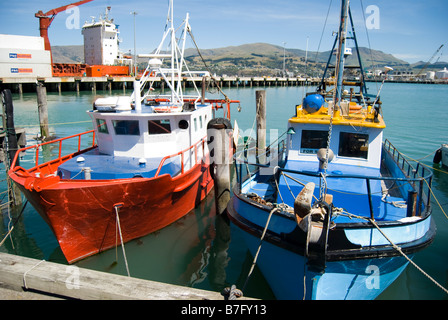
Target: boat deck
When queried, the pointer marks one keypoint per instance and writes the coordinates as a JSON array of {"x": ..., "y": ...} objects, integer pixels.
[
  {"x": 104, "y": 167},
  {"x": 350, "y": 194}
]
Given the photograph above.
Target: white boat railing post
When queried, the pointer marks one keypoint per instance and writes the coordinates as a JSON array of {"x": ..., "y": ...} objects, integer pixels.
[{"x": 137, "y": 96}]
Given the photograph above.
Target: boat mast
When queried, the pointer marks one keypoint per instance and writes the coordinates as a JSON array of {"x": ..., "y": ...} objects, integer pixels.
[
  {"x": 173, "y": 43},
  {"x": 341, "y": 50},
  {"x": 173, "y": 50},
  {"x": 181, "y": 58},
  {"x": 363, "y": 88},
  {"x": 339, "y": 73}
]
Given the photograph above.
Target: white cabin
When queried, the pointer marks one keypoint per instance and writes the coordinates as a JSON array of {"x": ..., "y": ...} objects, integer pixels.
[{"x": 148, "y": 134}]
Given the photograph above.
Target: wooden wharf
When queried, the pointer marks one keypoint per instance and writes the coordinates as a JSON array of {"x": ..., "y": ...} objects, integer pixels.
[
  {"x": 27, "y": 278},
  {"x": 76, "y": 84}
]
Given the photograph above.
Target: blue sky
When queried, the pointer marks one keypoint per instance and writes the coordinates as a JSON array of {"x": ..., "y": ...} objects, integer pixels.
[{"x": 411, "y": 30}]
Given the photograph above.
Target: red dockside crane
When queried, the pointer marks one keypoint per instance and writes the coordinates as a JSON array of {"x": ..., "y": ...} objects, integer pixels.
[
  {"x": 45, "y": 20},
  {"x": 72, "y": 69}
]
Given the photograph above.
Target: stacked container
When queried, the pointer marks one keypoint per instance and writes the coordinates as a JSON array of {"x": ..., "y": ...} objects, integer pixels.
[{"x": 24, "y": 57}]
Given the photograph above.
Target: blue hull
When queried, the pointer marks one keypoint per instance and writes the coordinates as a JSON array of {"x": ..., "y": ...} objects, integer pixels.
[
  {"x": 355, "y": 257},
  {"x": 362, "y": 279}
]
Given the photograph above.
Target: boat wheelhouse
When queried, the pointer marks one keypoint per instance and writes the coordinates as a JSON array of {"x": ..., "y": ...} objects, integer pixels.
[{"x": 144, "y": 144}]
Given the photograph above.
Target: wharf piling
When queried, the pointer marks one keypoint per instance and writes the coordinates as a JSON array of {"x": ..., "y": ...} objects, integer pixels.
[
  {"x": 10, "y": 140},
  {"x": 260, "y": 97},
  {"x": 70, "y": 282},
  {"x": 220, "y": 145},
  {"x": 43, "y": 110}
]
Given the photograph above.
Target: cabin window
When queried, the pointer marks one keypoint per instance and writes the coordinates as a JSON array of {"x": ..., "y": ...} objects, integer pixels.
[
  {"x": 313, "y": 140},
  {"x": 354, "y": 145},
  {"x": 195, "y": 124},
  {"x": 102, "y": 126},
  {"x": 126, "y": 127},
  {"x": 159, "y": 126},
  {"x": 200, "y": 122}
]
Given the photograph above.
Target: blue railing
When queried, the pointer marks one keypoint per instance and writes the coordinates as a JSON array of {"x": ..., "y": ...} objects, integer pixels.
[{"x": 410, "y": 180}]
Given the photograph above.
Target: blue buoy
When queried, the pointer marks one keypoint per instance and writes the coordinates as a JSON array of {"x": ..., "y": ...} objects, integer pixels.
[{"x": 313, "y": 103}]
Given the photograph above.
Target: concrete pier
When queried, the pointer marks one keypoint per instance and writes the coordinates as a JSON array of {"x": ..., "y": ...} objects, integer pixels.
[
  {"x": 76, "y": 84},
  {"x": 26, "y": 278}
]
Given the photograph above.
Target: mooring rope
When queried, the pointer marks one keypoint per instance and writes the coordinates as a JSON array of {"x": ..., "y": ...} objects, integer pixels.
[
  {"x": 121, "y": 238},
  {"x": 26, "y": 272},
  {"x": 259, "y": 246},
  {"x": 407, "y": 258},
  {"x": 13, "y": 225},
  {"x": 351, "y": 215}
]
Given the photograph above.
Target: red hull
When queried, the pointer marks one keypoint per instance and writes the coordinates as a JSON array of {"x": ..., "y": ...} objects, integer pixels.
[{"x": 82, "y": 213}]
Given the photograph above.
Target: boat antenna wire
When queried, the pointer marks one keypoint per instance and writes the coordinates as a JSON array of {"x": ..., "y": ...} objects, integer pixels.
[
  {"x": 372, "y": 62},
  {"x": 206, "y": 66},
  {"x": 323, "y": 30}
]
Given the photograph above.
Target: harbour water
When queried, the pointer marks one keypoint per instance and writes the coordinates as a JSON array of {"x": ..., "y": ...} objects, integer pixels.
[{"x": 201, "y": 250}]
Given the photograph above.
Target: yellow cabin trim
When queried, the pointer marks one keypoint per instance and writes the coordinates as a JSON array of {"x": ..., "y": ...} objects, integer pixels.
[{"x": 357, "y": 117}]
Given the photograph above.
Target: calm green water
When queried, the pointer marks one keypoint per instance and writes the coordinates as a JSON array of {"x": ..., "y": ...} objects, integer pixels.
[{"x": 201, "y": 250}]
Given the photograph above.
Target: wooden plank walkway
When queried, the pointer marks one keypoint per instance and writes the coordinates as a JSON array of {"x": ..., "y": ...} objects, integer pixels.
[{"x": 19, "y": 274}]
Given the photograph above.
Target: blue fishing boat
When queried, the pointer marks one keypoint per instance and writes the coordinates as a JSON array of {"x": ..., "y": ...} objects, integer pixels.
[{"x": 333, "y": 211}]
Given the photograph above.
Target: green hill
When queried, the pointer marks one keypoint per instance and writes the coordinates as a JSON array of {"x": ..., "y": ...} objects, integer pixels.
[
  {"x": 260, "y": 59},
  {"x": 68, "y": 54},
  {"x": 266, "y": 59}
]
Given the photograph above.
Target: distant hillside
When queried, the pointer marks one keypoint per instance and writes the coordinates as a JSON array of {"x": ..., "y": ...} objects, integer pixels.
[
  {"x": 266, "y": 59},
  {"x": 436, "y": 66},
  {"x": 68, "y": 54},
  {"x": 263, "y": 59},
  {"x": 248, "y": 59},
  {"x": 375, "y": 58}
]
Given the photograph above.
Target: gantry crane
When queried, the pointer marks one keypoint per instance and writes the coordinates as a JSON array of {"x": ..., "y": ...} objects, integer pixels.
[
  {"x": 429, "y": 61},
  {"x": 45, "y": 20}
]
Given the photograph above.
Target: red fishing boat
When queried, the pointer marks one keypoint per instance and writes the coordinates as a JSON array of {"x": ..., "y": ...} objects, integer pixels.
[{"x": 142, "y": 167}]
